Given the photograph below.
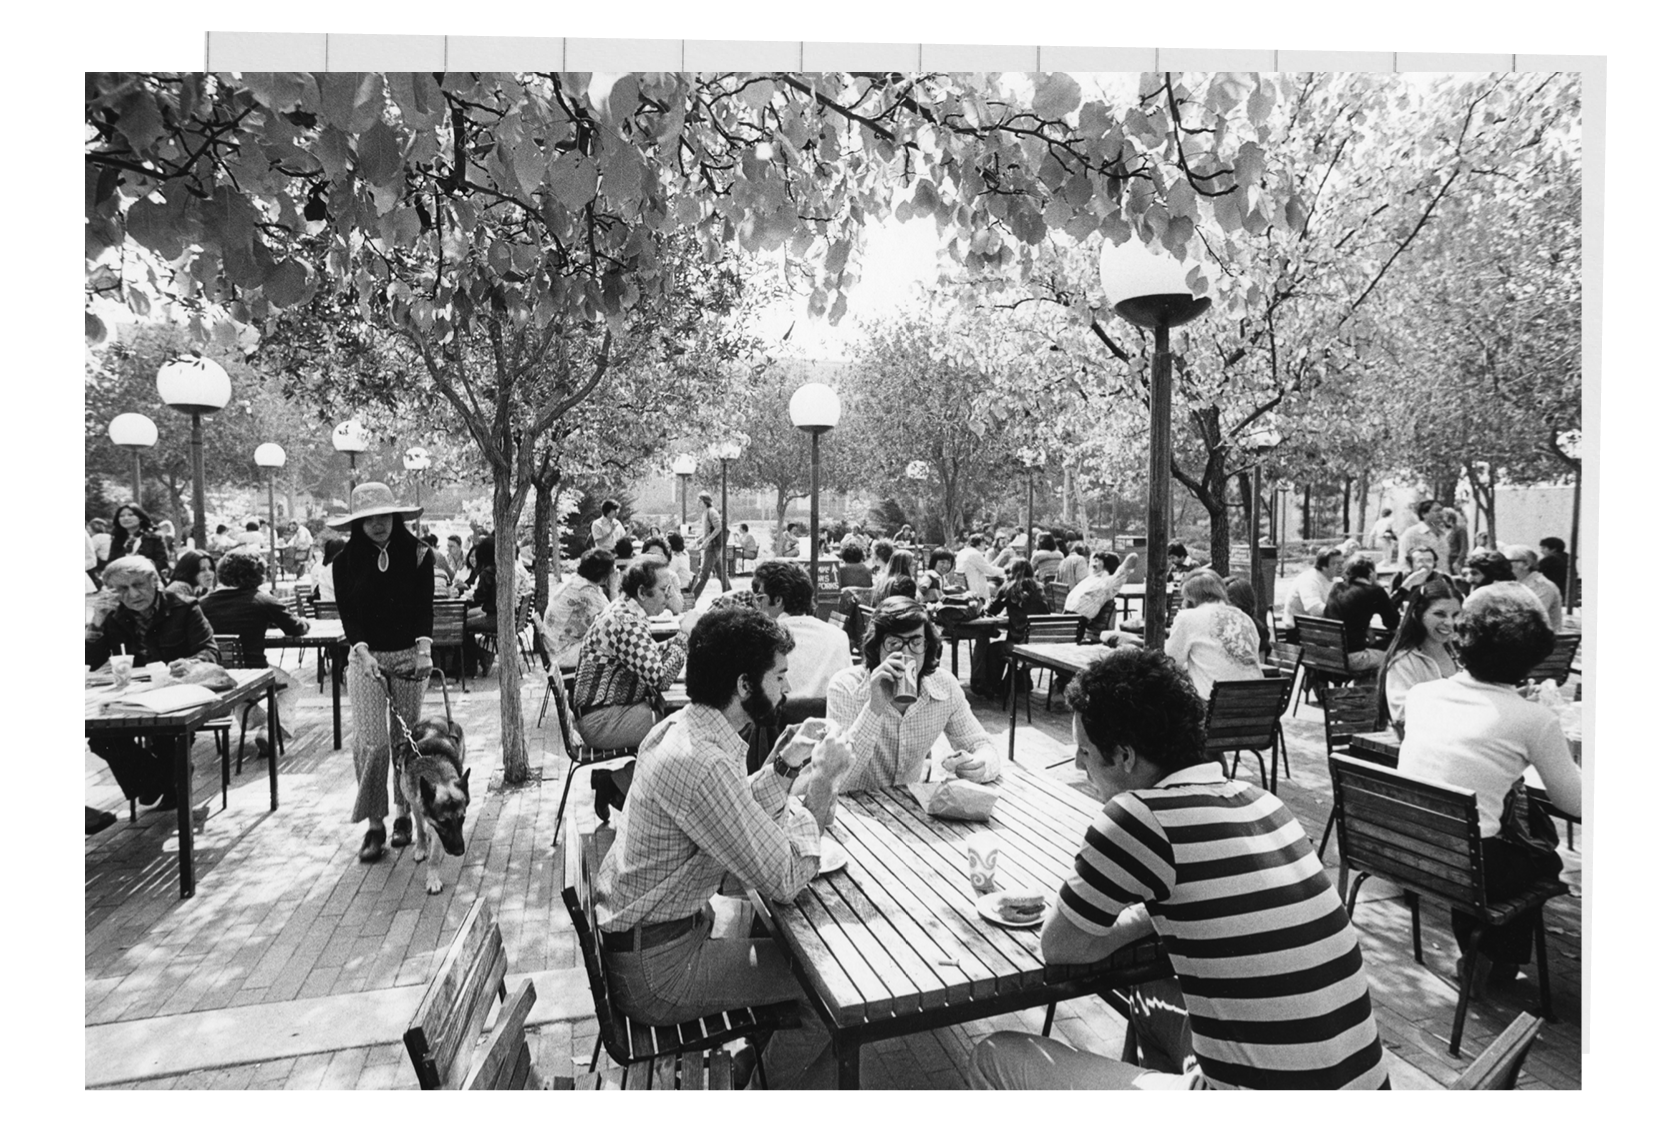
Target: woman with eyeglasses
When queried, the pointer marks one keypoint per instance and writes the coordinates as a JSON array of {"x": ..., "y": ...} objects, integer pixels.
[{"x": 892, "y": 725}]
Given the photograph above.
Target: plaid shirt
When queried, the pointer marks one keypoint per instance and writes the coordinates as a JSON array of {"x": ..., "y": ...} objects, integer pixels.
[
  {"x": 620, "y": 662},
  {"x": 891, "y": 747},
  {"x": 694, "y": 815}
]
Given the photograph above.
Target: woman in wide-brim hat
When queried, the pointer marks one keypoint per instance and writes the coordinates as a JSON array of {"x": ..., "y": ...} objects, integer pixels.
[{"x": 384, "y": 583}]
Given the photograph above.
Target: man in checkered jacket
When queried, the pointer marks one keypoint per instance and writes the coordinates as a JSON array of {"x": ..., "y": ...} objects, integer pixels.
[{"x": 623, "y": 672}]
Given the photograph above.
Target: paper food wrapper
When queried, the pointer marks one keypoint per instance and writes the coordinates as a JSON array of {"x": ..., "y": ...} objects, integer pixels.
[{"x": 955, "y": 799}]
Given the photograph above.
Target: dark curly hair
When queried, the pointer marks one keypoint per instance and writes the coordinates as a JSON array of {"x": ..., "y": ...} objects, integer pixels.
[
  {"x": 851, "y": 553},
  {"x": 242, "y": 569},
  {"x": 788, "y": 582},
  {"x": 882, "y": 550},
  {"x": 1502, "y": 633},
  {"x": 897, "y": 615},
  {"x": 1140, "y": 699},
  {"x": 641, "y": 574},
  {"x": 1493, "y": 566},
  {"x": 726, "y": 644},
  {"x": 596, "y": 565}
]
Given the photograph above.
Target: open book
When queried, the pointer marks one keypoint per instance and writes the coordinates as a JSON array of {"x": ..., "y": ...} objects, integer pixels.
[{"x": 169, "y": 698}]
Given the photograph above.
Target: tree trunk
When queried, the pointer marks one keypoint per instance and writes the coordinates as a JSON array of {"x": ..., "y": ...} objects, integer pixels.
[
  {"x": 544, "y": 501},
  {"x": 1347, "y": 489},
  {"x": 506, "y": 514},
  {"x": 1307, "y": 511},
  {"x": 1365, "y": 496}
]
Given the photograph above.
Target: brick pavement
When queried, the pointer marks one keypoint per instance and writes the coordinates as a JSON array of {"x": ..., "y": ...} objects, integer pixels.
[{"x": 284, "y": 913}]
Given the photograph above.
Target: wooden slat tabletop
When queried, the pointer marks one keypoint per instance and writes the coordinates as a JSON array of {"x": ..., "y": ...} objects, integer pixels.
[
  {"x": 1069, "y": 658},
  {"x": 249, "y": 682},
  {"x": 896, "y": 933}
]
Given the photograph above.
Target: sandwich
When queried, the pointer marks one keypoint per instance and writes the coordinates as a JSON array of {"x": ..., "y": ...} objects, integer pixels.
[{"x": 1019, "y": 906}]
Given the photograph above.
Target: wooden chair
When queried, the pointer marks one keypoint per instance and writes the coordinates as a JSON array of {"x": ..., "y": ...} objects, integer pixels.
[
  {"x": 1558, "y": 664},
  {"x": 558, "y": 686},
  {"x": 1286, "y": 658},
  {"x": 1324, "y": 655},
  {"x": 714, "y": 1070},
  {"x": 1056, "y": 594},
  {"x": 1243, "y": 716},
  {"x": 1049, "y": 629},
  {"x": 445, "y": 1038},
  {"x": 628, "y": 1041},
  {"x": 449, "y": 634},
  {"x": 1427, "y": 838},
  {"x": 1348, "y": 710},
  {"x": 1497, "y": 1067}
]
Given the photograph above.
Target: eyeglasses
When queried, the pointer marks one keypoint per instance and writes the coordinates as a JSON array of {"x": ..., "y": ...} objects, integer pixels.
[{"x": 914, "y": 644}]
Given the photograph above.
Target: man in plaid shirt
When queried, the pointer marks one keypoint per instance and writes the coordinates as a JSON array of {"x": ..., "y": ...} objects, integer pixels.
[
  {"x": 622, "y": 670},
  {"x": 694, "y": 816}
]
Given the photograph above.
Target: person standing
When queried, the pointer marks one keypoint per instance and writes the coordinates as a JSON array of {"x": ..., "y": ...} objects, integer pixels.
[
  {"x": 384, "y": 582},
  {"x": 133, "y": 533},
  {"x": 711, "y": 547},
  {"x": 1431, "y": 530},
  {"x": 298, "y": 546},
  {"x": 1383, "y": 532},
  {"x": 606, "y": 530},
  {"x": 1458, "y": 535}
]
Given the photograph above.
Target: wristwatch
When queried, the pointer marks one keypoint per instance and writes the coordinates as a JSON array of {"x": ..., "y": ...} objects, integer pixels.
[{"x": 785, "y": 770}]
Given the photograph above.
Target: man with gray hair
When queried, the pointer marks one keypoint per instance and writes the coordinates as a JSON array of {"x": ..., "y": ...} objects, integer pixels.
[
  {"x": 1525, "y": 567},
  {"x": 135, "y": 615}
]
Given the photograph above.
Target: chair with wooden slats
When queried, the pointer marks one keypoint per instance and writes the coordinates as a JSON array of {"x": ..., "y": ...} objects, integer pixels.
[
  {"x": 449, "y": 634},
  {"x": 448, "y": 1040},
  {"x": 1286, "y": 658},
  {"x": 1348, "y": 710},
  {"x": 714, "y": 1070},
  {"x": 1243, "y": 716},
  {"x": 1427, "y": 838},
  {"x": 1056, "y": 594},
  {"x": 1324, "y": 656},
  {"x": 1497, "y": 1067},
  {"x": 1048, "y": 629},
  {"x": 558, "y": 686},
  {"x": 628, "y": 1041},
  {"x": 1559, "y": 663}
]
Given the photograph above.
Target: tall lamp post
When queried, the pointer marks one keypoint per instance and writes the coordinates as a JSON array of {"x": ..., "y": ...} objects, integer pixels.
[
  {"x": 350, "y": 438},
  {"x": 1572, "y": 442},
  {"x": 683, "y": 465},
  {"x": 269, "y": 456},
  {"x": 195, "y": 385},
  {"x": 416, "y": 461},
  {"x": 1260, "y": 442},
  {"x": 1150, "y": 290},
  {"x": 727, "y": 452},
  {"x": 814, "y": 408},
  {"x": 134, "y": 432},
  {"x": 1033, "y": 461}
]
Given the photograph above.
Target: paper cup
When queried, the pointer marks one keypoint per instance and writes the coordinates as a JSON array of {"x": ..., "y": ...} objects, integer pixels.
[
  {"x": 121, "y": 668},
  {"x": 907, "y": 690},
  {"x": 983, "y": 853}
]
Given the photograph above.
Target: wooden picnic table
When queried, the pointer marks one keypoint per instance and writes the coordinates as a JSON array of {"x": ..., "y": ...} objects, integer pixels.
[
  {"x": 893, "y": 944},
  {"x": 324, "y": 634},
  {"x": 978, "y": 630},
  {"x": 174, "y": 729},
  {"x": 1060, "y": 658}
]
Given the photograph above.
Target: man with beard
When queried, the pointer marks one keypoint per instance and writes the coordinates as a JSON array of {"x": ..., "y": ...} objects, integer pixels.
[{"x": 693, "y": 816}]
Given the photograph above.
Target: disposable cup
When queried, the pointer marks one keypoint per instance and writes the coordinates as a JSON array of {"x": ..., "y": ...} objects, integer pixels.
[
  {"x": 907, "y": 689},
  {"x": 121, "y": 668},
  {"x": 983, "y": 853}
]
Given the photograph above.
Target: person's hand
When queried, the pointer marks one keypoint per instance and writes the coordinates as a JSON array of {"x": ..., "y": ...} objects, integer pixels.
[
  {"x": 425, "y": 660},
  {"x": 104, "y": 603},
  {"x": 178, "y": 669},
  {"x": 686, "y": 623},
  {"x": 832, "y": 758},
  {"x": 361, "y": 660},
  {"x": 961, "y": 763},
  {"x": 306, "y": 626},
  {"x": 882, "y": 682},
  {"x": 1136, "y": 565}
]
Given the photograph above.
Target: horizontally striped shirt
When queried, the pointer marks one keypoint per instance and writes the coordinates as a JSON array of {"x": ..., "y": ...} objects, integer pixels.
[{"x": 1266, "y": 957}]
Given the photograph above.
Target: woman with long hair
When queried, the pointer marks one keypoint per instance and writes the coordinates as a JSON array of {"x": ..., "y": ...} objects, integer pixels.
[
  {"x": 134, "y": 533},
  {"x": 193, "y": 574},
  {"x": 1242, "y": 596},
  {"x": 1020, "y": 597},
  {"x": 384, "y": 582},
  {"x": 1211, "y": 639},
  {"x": 900, "y": 566},
  {"x": 1421, "y": 649}
]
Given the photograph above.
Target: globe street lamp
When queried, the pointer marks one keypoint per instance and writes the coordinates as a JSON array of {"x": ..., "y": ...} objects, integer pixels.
[
  {"x": 1259, "y": 443},
  {"x": 727, "y": 452},
  {"x": 195, "y": 385},
  {"x": 135, "y": 432},
  {"x": 684, "y": 467},
  {"x": 350, "y": 438},
  {"x": 814, "y": 408},
  {"x": 269, "y": 456},
  {"x": 1150, "y": 290},
  {"x": 416, "y": 461}
]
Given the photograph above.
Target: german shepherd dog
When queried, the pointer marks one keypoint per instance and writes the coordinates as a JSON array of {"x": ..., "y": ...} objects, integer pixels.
[{"x": 436, "y": 786}]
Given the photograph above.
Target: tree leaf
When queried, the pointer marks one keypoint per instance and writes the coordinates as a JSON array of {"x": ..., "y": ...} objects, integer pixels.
[
  {"x": 379, "y": 154},
  {"x": 95, "y": 331},
  {"x": 1057, "y": 95},
  {"x": 573, "y": 180}
]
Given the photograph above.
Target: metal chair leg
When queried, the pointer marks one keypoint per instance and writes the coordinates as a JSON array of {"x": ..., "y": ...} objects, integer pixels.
[
  {"x": 572, "y": 768},
  {"x": 1047, "y": 1020},
  {"x": 1325, "y": 836},
  {"x": 1545, "y": 969},
  {"x": 1417, "y": 931},
  {"x": 1354, "y": 891}
]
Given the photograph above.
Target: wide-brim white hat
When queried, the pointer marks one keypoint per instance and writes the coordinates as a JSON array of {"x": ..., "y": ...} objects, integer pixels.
[{"x": 369, "y": 500}]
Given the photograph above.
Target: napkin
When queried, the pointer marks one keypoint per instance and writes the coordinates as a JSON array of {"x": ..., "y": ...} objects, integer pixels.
[
  {"x": 955, "y": 799},
  {"x": 173, "y": 698}
]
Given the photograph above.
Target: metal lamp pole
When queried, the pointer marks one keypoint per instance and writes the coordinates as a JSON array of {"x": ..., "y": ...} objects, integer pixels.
[
  {"x": 269, "y": 456},
  {"x": 815, "y": 408},
  {"x": 195, "y": 385}
]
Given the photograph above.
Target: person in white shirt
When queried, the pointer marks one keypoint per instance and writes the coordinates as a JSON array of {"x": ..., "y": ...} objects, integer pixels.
[
  {"x": 575, "y": 608},
  {"x": 1525, "y": 566},
  {"x": 1383, "y": 531},
  {"x": 1430, "y": 530},
  {"x": 1472, "y": 730},
  {"x": 606, "y": 530},
  {"x": 892, "y": 745},
  {"x": 1073, "y": 569},
  {"x": 253, "y": 534},
  {"x": 975, "y": 567},
  {"x": 1212, "y": 640},
  {"x": 1313, "y": 586},
  {"x": 1091, "y": 596},
  {"x": 819, "y": 650}
]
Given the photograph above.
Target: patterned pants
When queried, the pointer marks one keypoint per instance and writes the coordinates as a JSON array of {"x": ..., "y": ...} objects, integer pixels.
[{"x": 368, "y": 702}]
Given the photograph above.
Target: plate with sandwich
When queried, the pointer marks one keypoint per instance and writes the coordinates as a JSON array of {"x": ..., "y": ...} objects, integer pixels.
[
  {"x": 834, "y": 856},
  {"x": 1022, "y": 907}
]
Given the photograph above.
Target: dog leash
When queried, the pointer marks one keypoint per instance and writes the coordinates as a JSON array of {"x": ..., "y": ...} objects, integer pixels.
[{"x": 387, "y": 677}]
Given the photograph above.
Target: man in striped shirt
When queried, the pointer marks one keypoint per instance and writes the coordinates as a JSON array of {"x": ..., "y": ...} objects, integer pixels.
[{"x": 1267, "y": 964}]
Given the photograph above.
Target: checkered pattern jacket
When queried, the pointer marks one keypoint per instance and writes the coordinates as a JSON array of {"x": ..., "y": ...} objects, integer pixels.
[{"x": 620, "y": 662}]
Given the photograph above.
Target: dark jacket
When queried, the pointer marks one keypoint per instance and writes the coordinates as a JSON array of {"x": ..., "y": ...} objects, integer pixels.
[
  {"x": 388, "y": 611},
  {"x": 178, "y": 631},
  {"x": 1556, "y": 567},
  {"x": 150, "y": 545},
  {"x": 854, "y": 576},
  {"x": 247, "y": 614},
  {"x": 1355, "y": 604},
  {"x": 1019, "y": 604}
]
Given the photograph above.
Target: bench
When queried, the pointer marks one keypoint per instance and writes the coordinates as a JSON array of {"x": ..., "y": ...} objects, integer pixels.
[
  {"x": 1426, "y": 837},
  {"x": 714, "y": 1070}
]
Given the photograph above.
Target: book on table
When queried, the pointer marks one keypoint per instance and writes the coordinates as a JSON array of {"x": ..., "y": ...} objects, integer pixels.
[{"x": 157, "y": 701}]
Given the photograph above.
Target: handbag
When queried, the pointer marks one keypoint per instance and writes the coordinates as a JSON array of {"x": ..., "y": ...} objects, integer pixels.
[{"x": 1525, "y": 823}]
